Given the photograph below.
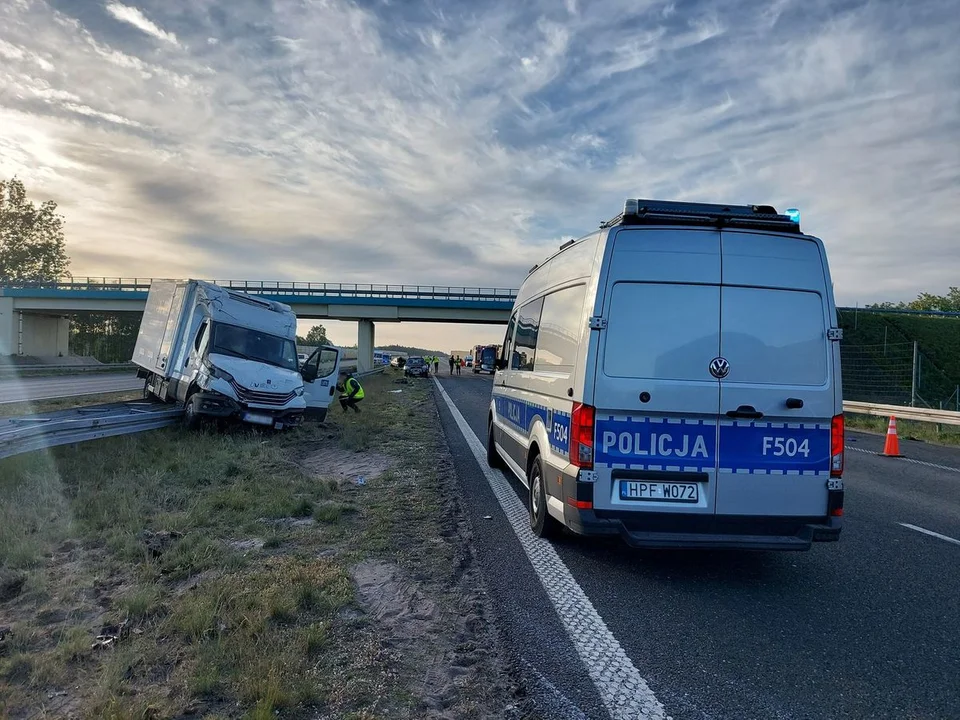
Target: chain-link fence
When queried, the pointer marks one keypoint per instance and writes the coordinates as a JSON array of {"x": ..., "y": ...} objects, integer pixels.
[{"x": 882, "y": 365}]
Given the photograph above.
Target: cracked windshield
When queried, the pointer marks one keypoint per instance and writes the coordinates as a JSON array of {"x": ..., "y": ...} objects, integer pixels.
[{"x": 551, "y": 360}]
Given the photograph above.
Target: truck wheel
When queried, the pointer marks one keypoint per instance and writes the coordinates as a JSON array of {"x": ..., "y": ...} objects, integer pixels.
[
  {"x": 493, "y": 457},
  {"x": 191, "y": 418},
  {"x": 146, "y": 389},
  {"x": 541, "y": 522}
]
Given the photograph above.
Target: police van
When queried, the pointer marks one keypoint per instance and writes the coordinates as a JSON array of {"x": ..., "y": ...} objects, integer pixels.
[{"x": 674, "y": 378}]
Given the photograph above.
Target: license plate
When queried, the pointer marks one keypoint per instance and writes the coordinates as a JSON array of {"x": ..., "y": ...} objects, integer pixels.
[
  {"x": 258, "y": 419},
  {"x": 665, "y": 491}
]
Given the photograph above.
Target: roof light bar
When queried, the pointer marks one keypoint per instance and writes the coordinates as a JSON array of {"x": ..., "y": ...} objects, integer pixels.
[{"x": 663, "y": 212}]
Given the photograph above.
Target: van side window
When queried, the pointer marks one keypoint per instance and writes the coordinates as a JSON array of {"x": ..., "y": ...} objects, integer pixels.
[
  {"x": 561, "y": 326},
  {"x": 326, "y": 362},
  {"x": 507, "y": 349},
  {"x": 528, "y": 328}
]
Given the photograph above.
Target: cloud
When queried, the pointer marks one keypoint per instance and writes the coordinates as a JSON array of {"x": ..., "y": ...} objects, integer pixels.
[
  {"x": 133, "y": 16},
  {"x": 397, "y": 143}
]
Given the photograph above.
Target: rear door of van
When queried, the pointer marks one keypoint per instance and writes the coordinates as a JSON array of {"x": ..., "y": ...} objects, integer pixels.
[
  {"x": 777, "y": 393},
  {"x": 656, "y": 403}
]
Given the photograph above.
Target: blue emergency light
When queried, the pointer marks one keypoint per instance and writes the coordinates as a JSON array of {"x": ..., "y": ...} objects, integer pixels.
[{"x": 793, "y": 214}]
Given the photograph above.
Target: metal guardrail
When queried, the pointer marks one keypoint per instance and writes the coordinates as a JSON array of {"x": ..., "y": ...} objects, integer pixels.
[
  {"x": 8, "y": 371},
  {"x": 24, "y": 434},
  {"x": 263, "y": 287},
  {"x": 68, "y": 366},
  {"x": 36, "y": 432},
  {"x": 901, "y": 412}
]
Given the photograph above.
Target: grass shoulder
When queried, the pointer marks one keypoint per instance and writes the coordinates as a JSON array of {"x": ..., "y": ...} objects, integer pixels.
[{"x": 318, "y": 572}]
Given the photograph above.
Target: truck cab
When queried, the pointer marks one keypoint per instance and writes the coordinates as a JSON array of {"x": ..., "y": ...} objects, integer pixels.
[{"x": 221, "y": 353}]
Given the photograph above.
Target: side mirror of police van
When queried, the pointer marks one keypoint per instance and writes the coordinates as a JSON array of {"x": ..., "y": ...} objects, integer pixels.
[{"x": 501, "y": 364}]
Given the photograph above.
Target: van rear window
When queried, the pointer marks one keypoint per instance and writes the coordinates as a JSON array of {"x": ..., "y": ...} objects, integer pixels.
[
  {"x": 663, "y": 331},
  {"x": 774, "y": 337}
]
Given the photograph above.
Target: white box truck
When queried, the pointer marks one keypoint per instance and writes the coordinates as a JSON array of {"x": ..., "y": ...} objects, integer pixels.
[{"x": 227, "y": 354}]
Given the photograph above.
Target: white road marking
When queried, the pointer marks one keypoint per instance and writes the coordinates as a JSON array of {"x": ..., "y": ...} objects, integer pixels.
[
  {"x": 624, "y": 692},
  {"x": 931, "y": 533},
  {"x": 907, "y": 460}
]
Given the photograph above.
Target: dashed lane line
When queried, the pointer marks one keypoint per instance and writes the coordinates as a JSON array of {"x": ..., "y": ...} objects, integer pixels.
[
  {"x": 931, "y": 533},
  {"x": 906, "y": 460},
  {"x": 624, "y": 692}
]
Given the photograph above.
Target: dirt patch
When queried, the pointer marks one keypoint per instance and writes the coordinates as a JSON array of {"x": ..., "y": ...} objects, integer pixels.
[
  {"x": 346, "y": 467},
  {"x": 288, "y": 522},
  {"x": 246, "y": 546},
  {"x": 157, "y": 543},
  {"x": 433, "y": 643}
]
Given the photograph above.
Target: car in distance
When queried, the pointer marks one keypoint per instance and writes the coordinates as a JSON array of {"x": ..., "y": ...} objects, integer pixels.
[{"x": 416, "y": 366}]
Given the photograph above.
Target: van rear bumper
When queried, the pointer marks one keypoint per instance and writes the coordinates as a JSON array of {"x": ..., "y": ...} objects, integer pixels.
[{"x": 671, "y": 530}]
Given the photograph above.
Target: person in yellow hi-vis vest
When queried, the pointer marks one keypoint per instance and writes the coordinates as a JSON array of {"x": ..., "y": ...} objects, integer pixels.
[{"x": 351, "y": 392}]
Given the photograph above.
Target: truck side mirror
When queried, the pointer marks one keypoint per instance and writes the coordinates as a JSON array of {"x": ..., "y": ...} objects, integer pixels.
[{"x": 309, "y": 373}]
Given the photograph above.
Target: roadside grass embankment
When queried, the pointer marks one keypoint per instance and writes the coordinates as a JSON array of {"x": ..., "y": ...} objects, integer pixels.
[{"x": 247, "y": 574}]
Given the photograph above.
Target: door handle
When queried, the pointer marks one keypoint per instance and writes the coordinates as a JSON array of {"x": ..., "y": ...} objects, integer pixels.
[{"x": 747, "y": 412}]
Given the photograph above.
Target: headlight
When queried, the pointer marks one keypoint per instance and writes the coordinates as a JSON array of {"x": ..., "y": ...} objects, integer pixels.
[
  {"x": 299, "y": 391},
  {"x": 216, "y": 372}
]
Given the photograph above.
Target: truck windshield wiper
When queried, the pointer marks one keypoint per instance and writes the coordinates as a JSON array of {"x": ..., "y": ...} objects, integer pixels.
[{"x": 234, "y": 353}]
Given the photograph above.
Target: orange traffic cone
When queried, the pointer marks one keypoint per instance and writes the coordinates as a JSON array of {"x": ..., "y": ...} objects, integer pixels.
[{"x": 891, "y": 447}]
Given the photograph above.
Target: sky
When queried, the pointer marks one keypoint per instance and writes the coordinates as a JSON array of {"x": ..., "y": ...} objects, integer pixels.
[{"x": 459, "y": 143}]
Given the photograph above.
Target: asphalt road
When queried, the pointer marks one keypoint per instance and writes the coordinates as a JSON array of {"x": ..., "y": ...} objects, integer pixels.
[
  {"x": 867, "y": 627},
  {"x": 57, "y": 386}
]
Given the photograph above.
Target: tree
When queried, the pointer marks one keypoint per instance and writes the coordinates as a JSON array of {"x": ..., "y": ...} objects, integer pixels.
[
  {"x": 946, "y": 303},
  {"x": 316, "y": 336},
  {"x": 926, "y": 301},
  {"x": 32, "y": 247}
]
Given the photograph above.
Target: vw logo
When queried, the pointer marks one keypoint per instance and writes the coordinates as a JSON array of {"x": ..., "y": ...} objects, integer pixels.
[{"x": 719, "y": 367}]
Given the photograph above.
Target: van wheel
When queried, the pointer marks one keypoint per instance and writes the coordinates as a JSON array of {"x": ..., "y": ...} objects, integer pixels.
[
  {"x": 493, "y": 457},
  {"x": 146, "y": 389},
  {"x": 191, "y": 418},
  {"x": 541, "y": 522}
]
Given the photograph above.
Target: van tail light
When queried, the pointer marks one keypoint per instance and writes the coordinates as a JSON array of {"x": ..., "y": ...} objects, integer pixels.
[
  {"x": 836, "y": 446},
  {"x": 581, "y": 436}
]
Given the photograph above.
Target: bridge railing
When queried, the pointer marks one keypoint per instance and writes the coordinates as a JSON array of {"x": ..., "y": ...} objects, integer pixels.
[{"x": 279, "y": 287}]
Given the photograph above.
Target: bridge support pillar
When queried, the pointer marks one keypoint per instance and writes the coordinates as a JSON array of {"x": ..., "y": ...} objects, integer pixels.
[
  {"x": 9, "y": 328},
  {"x": 45, "y": 335},
  {"x": 365, "y": 345}
]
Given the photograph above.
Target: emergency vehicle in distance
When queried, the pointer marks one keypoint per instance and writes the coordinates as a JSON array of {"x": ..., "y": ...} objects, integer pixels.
[
  {"x": 485, "y": 358},
  {"x": 674, "y": 378}
]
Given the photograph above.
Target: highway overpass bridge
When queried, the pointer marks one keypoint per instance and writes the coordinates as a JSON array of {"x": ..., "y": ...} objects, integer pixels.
[{"x": 34, "y": 316}]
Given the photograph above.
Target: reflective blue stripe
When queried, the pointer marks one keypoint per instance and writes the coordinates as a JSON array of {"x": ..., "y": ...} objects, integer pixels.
[
  {"x": 690, "y": 445},
  {"x": 520, "y": 415},
  {"x": 642, "y": 442},
  {"x": 765, "y": 447}
]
